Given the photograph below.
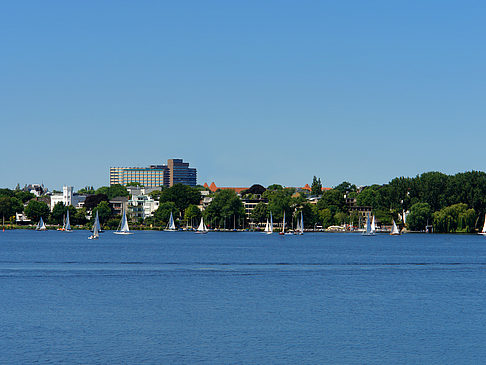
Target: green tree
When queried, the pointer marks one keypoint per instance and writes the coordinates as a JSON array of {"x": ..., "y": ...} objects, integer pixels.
[
  {"x": 259, "y": 213},
  {"x": 332, "y": 199},
  {"x": 37, "y": 209},
  {"x": 279, "y": 201},
  {"x": 80, "y": 216},
  {"x": 58, "y": 213},
  {"x": 316, "y": 187},
  {"x": 6, "y": 208},
  {"x": 113, "y": 191},
  {"x": 192, "y": 214},
  {"x": 225, "y": 209},
  {"x": 87, "y": 190},
  {"x": 162, "y": 214},
  {"x": 420, "y": 215},
  {"x": 326, "y": 217},
  {"x": 182, "y": 196},
  {"x": 104, "y": 212}
]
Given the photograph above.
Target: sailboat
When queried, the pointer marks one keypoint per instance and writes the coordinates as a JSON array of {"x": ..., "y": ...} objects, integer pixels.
[
  {"x": 123, "y": 229},
  {"x": 67, "y": 227},
  {"x": 202, "y": 229},
  {"x": 96, "y": 228},
  {"x": 270, "y": 225},
  {"x": 395, "y": 231},
  {"x": 368, "y": 231},
  {"x": 373, "y": 225},
  {"x": 171, "y": 226},
  {"x": 97, "y": 222},
  {"x": 300, "y": 225},
  {"x": 267, "y": 227},
  {"x": 283, "y": 226},
  {"x": 41, "y": 225},
  {"x": 483, "y": 232}
]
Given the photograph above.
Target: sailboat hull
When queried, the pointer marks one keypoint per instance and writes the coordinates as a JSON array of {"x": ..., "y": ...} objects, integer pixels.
[
  {"x": 482, "y": 233},
  {"x": 123, "y": 233}
]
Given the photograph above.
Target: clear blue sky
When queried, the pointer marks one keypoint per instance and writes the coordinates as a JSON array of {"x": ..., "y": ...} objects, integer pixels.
[{"x": 247, "y": 92}]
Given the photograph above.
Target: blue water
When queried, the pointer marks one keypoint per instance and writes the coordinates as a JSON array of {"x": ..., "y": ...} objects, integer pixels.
[{"x": 241, "y": 298}]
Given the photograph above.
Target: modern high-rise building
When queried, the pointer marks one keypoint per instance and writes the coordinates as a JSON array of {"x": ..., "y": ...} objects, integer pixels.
[
  {"x": 181, "y": 173},
  {"x": 176, "y": 171}
]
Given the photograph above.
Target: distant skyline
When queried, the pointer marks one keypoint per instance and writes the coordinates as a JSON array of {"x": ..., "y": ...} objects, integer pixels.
[{"x": 246, "y": 92}]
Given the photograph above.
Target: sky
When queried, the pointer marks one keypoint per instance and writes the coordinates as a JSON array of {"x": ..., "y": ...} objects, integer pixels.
[{"x": 245, "y": 91}]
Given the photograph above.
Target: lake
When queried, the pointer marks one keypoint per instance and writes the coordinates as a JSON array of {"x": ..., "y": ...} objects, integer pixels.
[{"x": 241, "y": 298}]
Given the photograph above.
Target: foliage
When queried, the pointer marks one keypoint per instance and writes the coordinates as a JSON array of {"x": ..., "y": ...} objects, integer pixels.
[
  {"x": 255, "y": 189},
  {"x": 420, "y": 215},
  {"x": 113, "y": 191},
  {"x": 80, "y": 216},
  {"x": 182, "y": 196},
  {"x": 224, "y": 206},
  {"x": 332, "y": 199},
  {"x": 87, "y": 190},
  {"x": 92, "y": 201},
  {"x": 134, "y": 183},
  {"x": 260, "y": 213},
  {"x": 275, "y": 187},
  {"x": 316, "y": 187},
  {"x": 104, "y": 212},
  {"x": 192, "y": 214},
  {"x": 37, "y": 209},
  {"x": 162, "y": 214},
  {"x": 279, "y": 201},
  {"x": 455, "y": 218},
  {"x": 345, "y": 187},
  {"x": 58, "y": 213}
]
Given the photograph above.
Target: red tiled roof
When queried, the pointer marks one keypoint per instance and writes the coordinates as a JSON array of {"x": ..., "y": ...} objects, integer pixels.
[{"x": 213, "y": 188}]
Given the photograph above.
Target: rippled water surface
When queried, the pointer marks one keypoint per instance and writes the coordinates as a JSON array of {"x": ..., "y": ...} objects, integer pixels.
[{"x": 178, "y": 297}]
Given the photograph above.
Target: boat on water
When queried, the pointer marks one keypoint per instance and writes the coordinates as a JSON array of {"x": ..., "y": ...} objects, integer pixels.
[
  {"x": 299, "y": 230},
  {"x": 269, "y": 225},
  {"x": 202, "y": 229},
  {"x": 483, "y": 232},
  {"x": 368, "y": 231},
  {"x": 96, "y": 229},
  {"x": 67, "y": 227},
  {"x": 171, "y": 227},
  {"x": 123, "y": 228},
  {"x": 41, "y": 226},
  {"x": 282, "y": 233},
  {"x": 394, "y": 231},
  {"x": 373, "y": 225}
]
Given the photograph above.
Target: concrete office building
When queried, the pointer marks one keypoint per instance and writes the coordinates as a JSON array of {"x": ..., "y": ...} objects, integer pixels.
[{"x": 176, "y": 171}]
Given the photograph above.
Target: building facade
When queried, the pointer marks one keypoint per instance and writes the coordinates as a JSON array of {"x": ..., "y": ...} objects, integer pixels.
[
  {"x": 175, "y": 172},
  {"x": 67, "y": 197}
]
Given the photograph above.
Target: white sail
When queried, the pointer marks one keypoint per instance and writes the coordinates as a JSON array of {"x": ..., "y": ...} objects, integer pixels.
[
  {"x": 63, "y": 222},
  {"x": 368, "y": 231},
  {"x": 202, "y": 227},
  {"x": 270, "y": 227},
  {"x": 41, "y": 225},
  {"x": 171, "y": 226},
  {"x": 395, "y": 230},
  {"x": 373, "y": 225},
  {"x": 267, "y": 227},
  {"x": 123, "y": 225},
  {"x": 96, "y": 230},
  {"x": 283, "y": 224},
  {"x": 97, "y": 222},
  {"x": 68, "y": 226},
  {"x": 484, "y": 226},
  {"x": 297, "y": 228},
  {"x": 301, "y": 223}
]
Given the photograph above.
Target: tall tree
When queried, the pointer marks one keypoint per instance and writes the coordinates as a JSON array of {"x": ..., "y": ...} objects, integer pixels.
[
  {"x": 37, "y": 209},
  {"x": 316, "y": 187}
]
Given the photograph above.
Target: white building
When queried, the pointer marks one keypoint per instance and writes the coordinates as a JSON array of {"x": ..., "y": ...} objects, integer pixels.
[
  {"x": 141, "y": 205},
  {"x": 67, "y": 197}
]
